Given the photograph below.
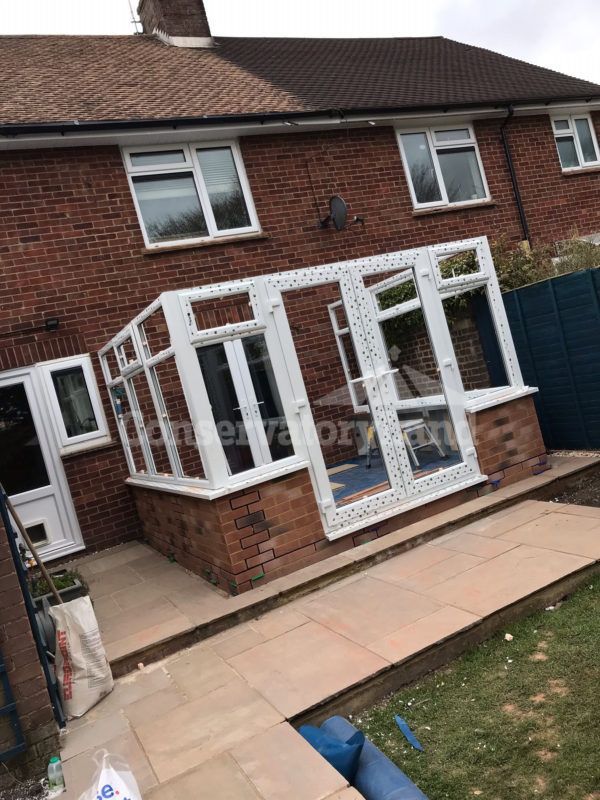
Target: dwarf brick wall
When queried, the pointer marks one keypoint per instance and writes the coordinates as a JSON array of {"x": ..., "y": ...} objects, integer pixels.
[
  {"x": 25, "y": 676},
  {"x": 237, "y": 540},
  {"x": 508, "y": 441},
  {"x": 71, "y": 246},
  {"x": 244, "y": 539}
]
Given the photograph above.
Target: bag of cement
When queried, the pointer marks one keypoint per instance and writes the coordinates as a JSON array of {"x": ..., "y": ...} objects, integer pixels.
[
  {"x": 82, "y": 669},
  {"x": 114, "y": 779}
]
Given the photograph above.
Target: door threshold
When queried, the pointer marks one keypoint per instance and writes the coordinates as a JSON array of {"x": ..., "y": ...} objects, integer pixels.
[
  {"x": 401, "y": 508},
  {"x": 61, "y": 551}
]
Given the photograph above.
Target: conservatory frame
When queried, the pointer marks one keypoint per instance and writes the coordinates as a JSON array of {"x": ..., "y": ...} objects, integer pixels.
[{"x": 266, "y": 300}]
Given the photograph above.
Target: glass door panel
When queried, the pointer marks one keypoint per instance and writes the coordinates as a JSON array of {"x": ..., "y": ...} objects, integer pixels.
[
  {"x": 420, "y": 402},
  {"x": 22, "y": 465},
  {"x": 227, "y": 407},
  {"x": 266, "y": 399},
  {"x": 341, "y": 390}
]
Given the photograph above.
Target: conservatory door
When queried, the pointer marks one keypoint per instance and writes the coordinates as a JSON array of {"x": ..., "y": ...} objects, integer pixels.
[{"x": 337, "y": 435}]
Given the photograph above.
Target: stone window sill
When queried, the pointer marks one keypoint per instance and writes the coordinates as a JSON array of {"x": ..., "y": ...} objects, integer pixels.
[
  {"x": 172, "y": 248},
  {"x": 103, "y": 443},
  {"x": 571, "y": 173},
  {"x": 426, "y": 212}
]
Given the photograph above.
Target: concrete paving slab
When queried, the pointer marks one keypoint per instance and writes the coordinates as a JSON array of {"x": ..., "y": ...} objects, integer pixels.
[
  {"x": 505, "y": 579},
  {"x": 220, "y": 778},
  {"x": 567, "y": 533},
  {"x": 196, "y": 731},
  {"x": 425, "y": 632},
  {"x": 281, "y": 764},
  {"x": 304, "y": 666},
  {"x": 368, "y": 609},
  {"x": 442, "y": 571},
  {"x": 397, "y": 569},
  {"x": 502, "y": 521},
  {"x": 471, "y": 543},
  {"x": 199, "y": 671},
  {"x": 237, "y": 643},
  {"x": 92, "y": 734},
  {"x": 150, "y": 708},
  {"x": 276, "y": 622}
]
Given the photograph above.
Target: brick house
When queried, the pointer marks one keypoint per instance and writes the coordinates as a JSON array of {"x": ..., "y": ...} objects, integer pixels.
[{"x": 193, "y": 353}]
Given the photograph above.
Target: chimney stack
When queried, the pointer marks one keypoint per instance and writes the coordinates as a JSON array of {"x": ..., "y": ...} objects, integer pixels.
[{"x": 182, "y": 23}]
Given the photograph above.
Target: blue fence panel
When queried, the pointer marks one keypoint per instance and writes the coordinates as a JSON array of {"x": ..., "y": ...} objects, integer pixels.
[{"x": 556, "y": 330}]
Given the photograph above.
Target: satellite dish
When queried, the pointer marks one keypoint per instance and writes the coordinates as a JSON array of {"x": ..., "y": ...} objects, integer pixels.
[{"x": 338, "y": 212}]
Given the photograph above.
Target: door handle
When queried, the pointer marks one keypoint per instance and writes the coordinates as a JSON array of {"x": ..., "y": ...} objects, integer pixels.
[
  {"x": 362, "y": 379},
  {"x": 388, "y": 372}
]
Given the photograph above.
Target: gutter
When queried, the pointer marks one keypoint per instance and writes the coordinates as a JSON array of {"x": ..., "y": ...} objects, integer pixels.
[
  {"x": 341, "y": 115},
  {"x": 513, "y": 175}
]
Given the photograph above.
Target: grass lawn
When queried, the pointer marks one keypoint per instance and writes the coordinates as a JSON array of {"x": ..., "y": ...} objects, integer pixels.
[{"x": 508, "y": 720}]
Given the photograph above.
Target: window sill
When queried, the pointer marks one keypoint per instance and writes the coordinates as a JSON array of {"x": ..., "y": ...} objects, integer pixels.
[
  {"x": 569, "y": 173},
  {"x": 426, "y": 212},
  {"x": 489, "y": 401},
  {"x": 203, "y": 492},
  {"x": 84, "y": 447},
  {"x": 171, "y": 248}
]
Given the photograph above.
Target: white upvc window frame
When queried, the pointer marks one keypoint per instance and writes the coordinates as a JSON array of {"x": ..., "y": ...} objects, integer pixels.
[
  {"x": 191, "y": 164},
  {"x": 434, "y": 147},
  {"x": 484, "y": 277},
  {"x": 67, "y": 442},
  {"x": 572, "y": 131}
]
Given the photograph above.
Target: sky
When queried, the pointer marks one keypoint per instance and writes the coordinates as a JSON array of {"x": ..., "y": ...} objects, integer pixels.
[{"x": 561, "y": 36}]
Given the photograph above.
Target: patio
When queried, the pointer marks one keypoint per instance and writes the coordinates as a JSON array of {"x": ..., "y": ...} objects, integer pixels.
[{"x": 207, "y": 720}]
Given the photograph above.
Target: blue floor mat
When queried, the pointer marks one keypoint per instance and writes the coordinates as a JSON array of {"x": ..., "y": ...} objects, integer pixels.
[{"x": 360, "y": 479}]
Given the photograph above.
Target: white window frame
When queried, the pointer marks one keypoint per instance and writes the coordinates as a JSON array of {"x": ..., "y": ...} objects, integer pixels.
[
  {"x": 434, "y": 147},
  {"x": 191, "y": 164},
  {"x": 484, "y": 277},
  {"x": 93, "y": 437},
  {"x": 572, "y": 131}
]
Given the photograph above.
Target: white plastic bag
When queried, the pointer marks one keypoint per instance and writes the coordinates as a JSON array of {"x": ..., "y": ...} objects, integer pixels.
[
  {"x": 82, "y": 669},
  {"x": 113, "y": 779}
]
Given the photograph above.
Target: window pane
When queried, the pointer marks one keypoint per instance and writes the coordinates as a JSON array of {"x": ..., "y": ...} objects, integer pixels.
[
  {"x": 224, "y": 188},
  {"x": 170, "y": 206},
  {"x": 475, "y": 341},
  {"x": 420, "y": 165},
  {"x": 74, "y": 401},
  {"x": 562, "y": 125},
  {"x": 460, "y": 134},
  {"x": 267, "y": 396},
  {"x": 567, "y": 152},
  {"x": 22, "y": 465},
  {"x": 157, "y": 157},
  {"x": 462, "y": 177},
  {"x": 588, "y": 149},
  {"x": 225, "y": 407}
]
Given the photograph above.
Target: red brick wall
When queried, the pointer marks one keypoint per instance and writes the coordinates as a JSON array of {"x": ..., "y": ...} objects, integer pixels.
[
  {"x": 508, "y": 441},
  {"x": 25, "y": 676},
  {"x": 71, "y": 246},
  {"x": 557, "y": 205}
]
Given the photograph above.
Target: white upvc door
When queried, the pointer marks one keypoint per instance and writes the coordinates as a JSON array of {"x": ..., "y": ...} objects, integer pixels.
[
  {"x": 31, "y": 469},
  {"x": 451, "y": 400},
  {"x": 387, "y": 490}
]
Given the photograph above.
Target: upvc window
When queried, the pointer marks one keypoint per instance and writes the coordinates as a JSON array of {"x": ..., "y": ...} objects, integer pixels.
[
  {"x": 576, "y": 141},
  {"x": 188, "y": 193},
  {"x": 74, "y": 401},
  {"x": 443, "y": 166}
]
